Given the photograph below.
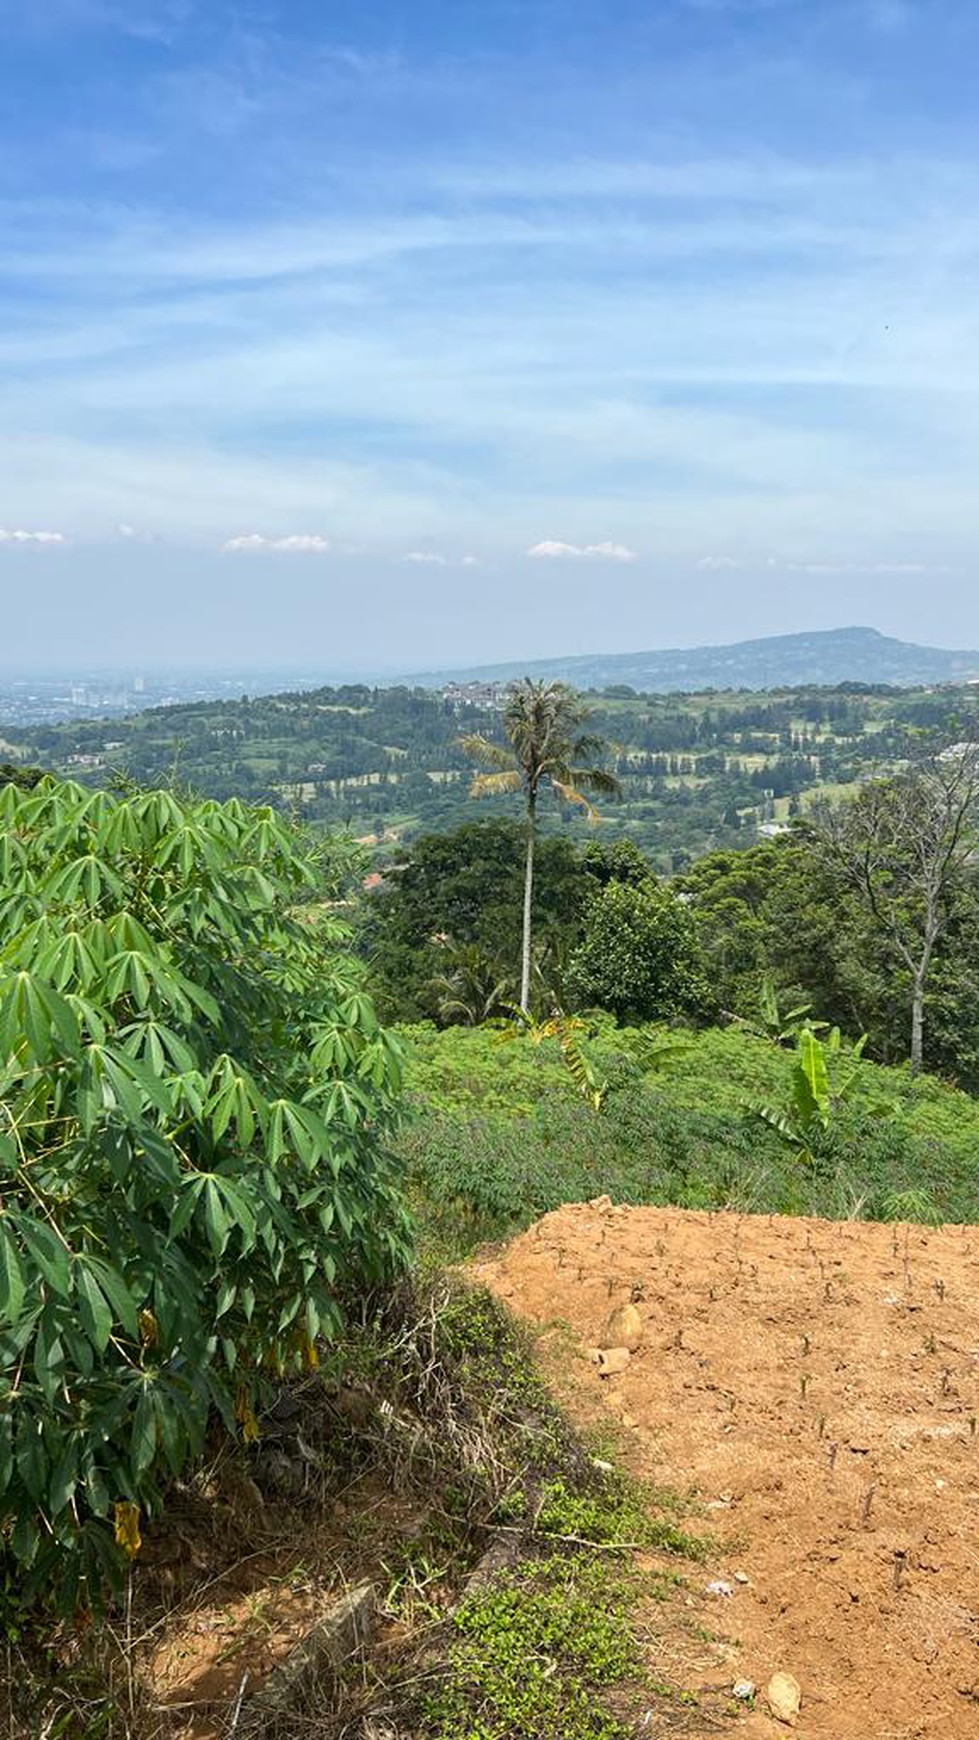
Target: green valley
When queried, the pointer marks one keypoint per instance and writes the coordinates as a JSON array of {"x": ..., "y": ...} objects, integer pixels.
[{"x": 698, "y": 771}]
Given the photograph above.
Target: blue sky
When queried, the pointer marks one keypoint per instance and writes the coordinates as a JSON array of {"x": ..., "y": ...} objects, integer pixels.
[{"x": 404, "y": 334}]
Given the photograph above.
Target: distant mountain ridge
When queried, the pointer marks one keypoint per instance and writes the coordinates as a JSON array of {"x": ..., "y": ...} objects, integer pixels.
[{"x": 824, "y": 656}]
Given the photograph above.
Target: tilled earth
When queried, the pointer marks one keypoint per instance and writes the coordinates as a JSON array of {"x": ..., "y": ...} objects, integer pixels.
[{"x": 816, "y": 1384}]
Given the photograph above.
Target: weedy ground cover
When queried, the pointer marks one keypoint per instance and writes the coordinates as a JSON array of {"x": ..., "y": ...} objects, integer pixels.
[
  {"x": 429, "y": 1458},
  {"x": 500, "y": 1137}
]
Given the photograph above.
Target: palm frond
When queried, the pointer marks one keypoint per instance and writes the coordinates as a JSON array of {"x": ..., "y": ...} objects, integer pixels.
[
  {"x": 485, "y": 750},
  {"x": 492, "y": 784},
  {"x": 587, "y": 744},
  {"x": 572, "y": 795},
  {"x": 597, "y": 779}
]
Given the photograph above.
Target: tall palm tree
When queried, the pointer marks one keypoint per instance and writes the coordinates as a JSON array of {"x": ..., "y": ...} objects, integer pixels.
[{"x": 546, "y": 746}]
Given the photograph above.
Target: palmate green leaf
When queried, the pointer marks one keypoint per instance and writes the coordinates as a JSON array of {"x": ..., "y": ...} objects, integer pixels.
[
  {"x": 295, "y": 1129},
  {"x": 84, "y": 882},
  {"x": 188, "y": 846},
  {"x": 160, "y": 1045},
  {"x": 50, "y": 1253},
  {"x": 69, "y": 962},
  {"x": 64, "y": 1479},
  {"x": 12, "y": 1283},
  {"x": 36, "y": 1018},
  {"x": 127, "y": 976},
  {"x": 124, "y": 933},
  {"x": 345, "y": 1103},
  {"x": 116, "y": 1291},
  {"x": 234, "y": 1097},
  {"x": 142, "y": 1445},
  {"x": 30, "y": 1458},
  {"x": 93, "y": 1308},
  {"x": 122, "y": 832}
]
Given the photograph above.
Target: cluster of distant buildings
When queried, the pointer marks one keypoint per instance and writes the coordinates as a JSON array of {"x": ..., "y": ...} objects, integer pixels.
[{"x": 459, "y": 695}]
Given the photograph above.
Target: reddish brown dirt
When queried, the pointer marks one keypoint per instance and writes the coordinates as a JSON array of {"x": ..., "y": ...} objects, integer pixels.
[{"x": 817, "y": 1385}]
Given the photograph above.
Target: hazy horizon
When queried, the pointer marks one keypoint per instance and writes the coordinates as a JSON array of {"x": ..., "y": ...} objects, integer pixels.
[
  {"x": 458, "y": 333},
  {"x": 313, "y": 672}
]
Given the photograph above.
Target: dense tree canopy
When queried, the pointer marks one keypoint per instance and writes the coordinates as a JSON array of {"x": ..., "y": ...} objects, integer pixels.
[
  {"x": 782, "y": 911},
  {"x": 463, "y": 890},
  {"x": 639, "y": 956}
]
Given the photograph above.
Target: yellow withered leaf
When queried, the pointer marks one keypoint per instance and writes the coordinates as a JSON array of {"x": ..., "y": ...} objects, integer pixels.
[
  {"x": 245, "y": 1413},
  {"x": 128, "y": 1536}
]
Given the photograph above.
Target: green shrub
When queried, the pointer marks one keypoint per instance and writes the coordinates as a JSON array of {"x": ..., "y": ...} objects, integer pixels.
[{"x": 194, "y": 1103}]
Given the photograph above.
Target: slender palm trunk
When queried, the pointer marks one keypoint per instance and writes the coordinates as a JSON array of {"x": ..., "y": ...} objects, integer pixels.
[{"x": 528, "y": 896}]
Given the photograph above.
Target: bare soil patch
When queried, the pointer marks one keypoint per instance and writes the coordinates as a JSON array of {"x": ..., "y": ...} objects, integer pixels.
[{"x": 817, "y": 1384}]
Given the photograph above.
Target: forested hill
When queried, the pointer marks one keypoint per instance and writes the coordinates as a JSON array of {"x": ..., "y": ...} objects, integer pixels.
[
  {"x": 838, "y": 655},
  {"x": 697, "y": 771}
]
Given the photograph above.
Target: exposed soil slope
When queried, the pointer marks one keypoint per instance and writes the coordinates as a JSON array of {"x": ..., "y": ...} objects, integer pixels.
[{"x": 818, "y": 1384}]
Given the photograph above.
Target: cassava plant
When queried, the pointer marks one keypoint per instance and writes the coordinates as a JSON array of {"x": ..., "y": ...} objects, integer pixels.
[{"x": 194, "y": 1102}]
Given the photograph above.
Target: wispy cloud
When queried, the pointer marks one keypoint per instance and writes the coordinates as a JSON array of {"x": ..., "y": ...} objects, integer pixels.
[
  {"x": 786, "y": 565},
  {"x": 872, "y": 568},
  {"x": 551, "y": 547},
  {"x": 437, "y": 338},
  {"x": 294, "y": 544},
  {"x": 22, "y": 537}
]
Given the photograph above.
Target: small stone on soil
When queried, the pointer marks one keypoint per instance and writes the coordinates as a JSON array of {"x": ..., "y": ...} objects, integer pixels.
[
  {"x": 623, "y": 1329},
  {"x": 611, "y": 1360},
  {"x": 784, "y": 1696}
]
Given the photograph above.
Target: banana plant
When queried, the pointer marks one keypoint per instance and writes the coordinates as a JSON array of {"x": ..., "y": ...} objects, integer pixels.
[
  {"x": 822, "y": 1077},
  {"x": 783, "y": 1026}
]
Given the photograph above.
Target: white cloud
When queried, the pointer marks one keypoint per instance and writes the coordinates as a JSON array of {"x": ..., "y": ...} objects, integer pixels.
[
  {"x": 551, "y": 547},
  {"x": 430, "y": 556},
  {"x": 295, "y": 544},
  {"x": 21, "y": 537},
  {"x": 714, "y": 564},
  {"x": 470, "y": 561}
]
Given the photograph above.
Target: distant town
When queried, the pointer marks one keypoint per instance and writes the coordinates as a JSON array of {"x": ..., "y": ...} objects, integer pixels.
[{"x": 51, "y": 698}]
